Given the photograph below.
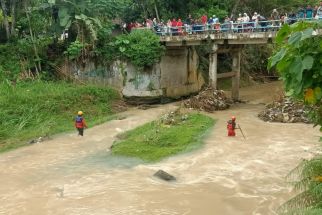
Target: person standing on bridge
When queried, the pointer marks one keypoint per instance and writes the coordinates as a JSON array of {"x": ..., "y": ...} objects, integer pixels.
[
  {"x": 80, "y": 123},
  {"x": 301, "y": 13},
  {"x": 180, "y": 25},
  {"x": 309, "y": 12},
  {"x": 255, "y": 21},
  {"x": 231, "y": 126},
  {"x": 239, "y": 23},
  {"x": 319, "y": 11},
  {"x": 204, "y": 21},
  {"x": 275, "y": 16},
  {"x": 174, "y": 28}
]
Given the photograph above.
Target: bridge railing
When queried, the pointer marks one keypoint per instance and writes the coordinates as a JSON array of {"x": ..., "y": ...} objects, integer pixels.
[{"x": 227, "y": 27}]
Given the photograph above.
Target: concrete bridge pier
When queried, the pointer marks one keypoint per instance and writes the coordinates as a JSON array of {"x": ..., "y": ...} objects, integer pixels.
[
  {"x": 236, "y": 78},
  {"x": 213, "y": 64},
  {"x": 235, "y": 51}
]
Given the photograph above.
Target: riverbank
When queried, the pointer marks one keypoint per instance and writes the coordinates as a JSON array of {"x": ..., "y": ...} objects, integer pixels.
[{"x": 39, "y": 109}]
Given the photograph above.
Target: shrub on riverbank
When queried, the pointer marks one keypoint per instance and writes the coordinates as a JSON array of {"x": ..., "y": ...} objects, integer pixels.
[
  {"x": 35, "y": 109},
  {"x": 168, "y": 136}
]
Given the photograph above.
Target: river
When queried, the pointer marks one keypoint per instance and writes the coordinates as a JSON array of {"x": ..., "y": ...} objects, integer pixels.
[{"x": 77, "y": 176}]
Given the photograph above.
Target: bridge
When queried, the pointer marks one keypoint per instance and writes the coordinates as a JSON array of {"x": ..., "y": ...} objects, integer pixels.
[
  {"x": 177, "y": 75},
  {"x": 221, "y": 42},
  {"x": 219, "y": 38}
]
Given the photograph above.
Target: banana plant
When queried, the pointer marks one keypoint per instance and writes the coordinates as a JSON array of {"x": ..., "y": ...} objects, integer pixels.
[
  {"x": 87, "y": 15},
  {"x": 79, "y": 14}
]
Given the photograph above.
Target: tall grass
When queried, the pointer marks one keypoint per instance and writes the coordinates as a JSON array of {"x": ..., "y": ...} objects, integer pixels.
[{"x": 35, "y": 109}]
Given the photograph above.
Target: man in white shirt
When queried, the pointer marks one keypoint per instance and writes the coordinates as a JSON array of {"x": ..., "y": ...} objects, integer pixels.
[{"x": 255, "y": 20}]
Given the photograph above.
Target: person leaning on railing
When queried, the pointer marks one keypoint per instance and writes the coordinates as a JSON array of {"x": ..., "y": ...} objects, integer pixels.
[
  {"x": 169, "y": 25},
  {"x": 309, "y": 12},
  {"x": 275, "y": 17},
  {"x": 174, "y": 28},
  {"x": 262, "y": 21}
]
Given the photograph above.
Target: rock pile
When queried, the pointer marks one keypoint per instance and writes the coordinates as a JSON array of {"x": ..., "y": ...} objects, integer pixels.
[
  {"x": 285, "y": 110},
  {"x": 208, "y": 100}
]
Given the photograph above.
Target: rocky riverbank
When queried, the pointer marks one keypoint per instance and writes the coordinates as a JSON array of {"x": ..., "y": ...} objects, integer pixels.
[{"x": 286, "y": 110}]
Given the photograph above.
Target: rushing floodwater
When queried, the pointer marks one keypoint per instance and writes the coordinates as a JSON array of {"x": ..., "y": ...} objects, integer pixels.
[{"x": 75, "y": 176}]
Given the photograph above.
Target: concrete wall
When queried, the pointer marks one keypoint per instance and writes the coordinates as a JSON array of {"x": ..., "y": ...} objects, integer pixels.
[
  {"x": 179, "y": 69},
  {"x": 176, "y": 75}
]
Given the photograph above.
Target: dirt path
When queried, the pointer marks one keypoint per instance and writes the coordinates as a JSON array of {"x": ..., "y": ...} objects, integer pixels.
[{"x": 72, "y": 175}]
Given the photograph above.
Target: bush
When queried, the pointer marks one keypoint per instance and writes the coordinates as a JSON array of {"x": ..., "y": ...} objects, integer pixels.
[{"x": 141, "y": 47}]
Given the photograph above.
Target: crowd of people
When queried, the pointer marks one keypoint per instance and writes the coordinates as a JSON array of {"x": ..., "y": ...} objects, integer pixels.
[{"x": 242, "y": 23}]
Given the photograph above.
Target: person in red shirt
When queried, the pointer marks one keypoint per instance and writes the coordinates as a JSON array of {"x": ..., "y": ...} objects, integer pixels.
[
  {"x": 174, "y": 23},
  {"x": 204, "y": 19},
  {"x": 174, "y": 26},
  {"x": 179, "y": 25},
  {"x": 80, "y": 123},
  {"x": 231, "y": 126}
]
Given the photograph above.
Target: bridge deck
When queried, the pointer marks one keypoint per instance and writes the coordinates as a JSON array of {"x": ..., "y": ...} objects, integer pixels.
[{"x": 219, "y": 38}]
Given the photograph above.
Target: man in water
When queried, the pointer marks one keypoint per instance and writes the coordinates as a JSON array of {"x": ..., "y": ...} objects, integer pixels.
[
  {"x": 231, "y": 126},
  {"x": 80, "y": 123}
]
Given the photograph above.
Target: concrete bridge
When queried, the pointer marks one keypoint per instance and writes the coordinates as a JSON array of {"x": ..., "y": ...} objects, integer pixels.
[
  {"x": 177, "y": 73},
  {"x": 231, "y": 43}
]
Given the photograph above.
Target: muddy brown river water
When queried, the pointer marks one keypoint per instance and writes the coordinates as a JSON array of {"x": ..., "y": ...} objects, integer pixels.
[{"x": 77, "y": 176}]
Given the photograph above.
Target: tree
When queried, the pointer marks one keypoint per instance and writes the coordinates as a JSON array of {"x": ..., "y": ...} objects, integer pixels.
[
  {"x": 298, "y": 60},
  {"x": 8, "y": 14}
]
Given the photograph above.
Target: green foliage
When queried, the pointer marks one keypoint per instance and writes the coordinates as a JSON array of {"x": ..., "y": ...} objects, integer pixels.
[
  {"x": 298, "y": 60},
  {"x": 35, "y": 109},
  {"x": 89, "y": 16},
  {"x": 1, "y": 17},
  {"x": 78, "y": 13},
  {"x": 219, "y": 13},
  {"x": 19, "y": 56},
  {"x": 153, "y": 142},
  {"x": 142, "y": 48},
  {"x": 74, "y": 50},
  {"x": 308, "y": 181},
  {"x": 39, "y": 23},
  {"x": 142, "y": 9},
  {"x": 9, "y": 62}
]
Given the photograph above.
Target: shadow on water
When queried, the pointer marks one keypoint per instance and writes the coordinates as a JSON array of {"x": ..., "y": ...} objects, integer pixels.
[
  {"x": 107, "y": 160},
  {"x": 102, "y": 160}
]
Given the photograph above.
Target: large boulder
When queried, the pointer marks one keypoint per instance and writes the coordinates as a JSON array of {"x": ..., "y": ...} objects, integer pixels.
[{"x": 164, "y": 176}]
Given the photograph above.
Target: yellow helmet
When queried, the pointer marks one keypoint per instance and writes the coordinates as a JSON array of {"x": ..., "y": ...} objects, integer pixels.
[{"x": 80, "y": 113}]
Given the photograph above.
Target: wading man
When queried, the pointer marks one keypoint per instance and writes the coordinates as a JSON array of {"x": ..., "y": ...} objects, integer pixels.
[{"x": 80, "y": 123}]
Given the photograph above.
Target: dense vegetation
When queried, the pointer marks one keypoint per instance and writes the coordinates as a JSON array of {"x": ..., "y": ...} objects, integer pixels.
[
  {"x": 165, "y": 9},
  {"x": 38, "y": 109},
  {"x": 155, "y": 141},
  {"x": 37, "y": 36},
  {"x": 298, "y": 60}
]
